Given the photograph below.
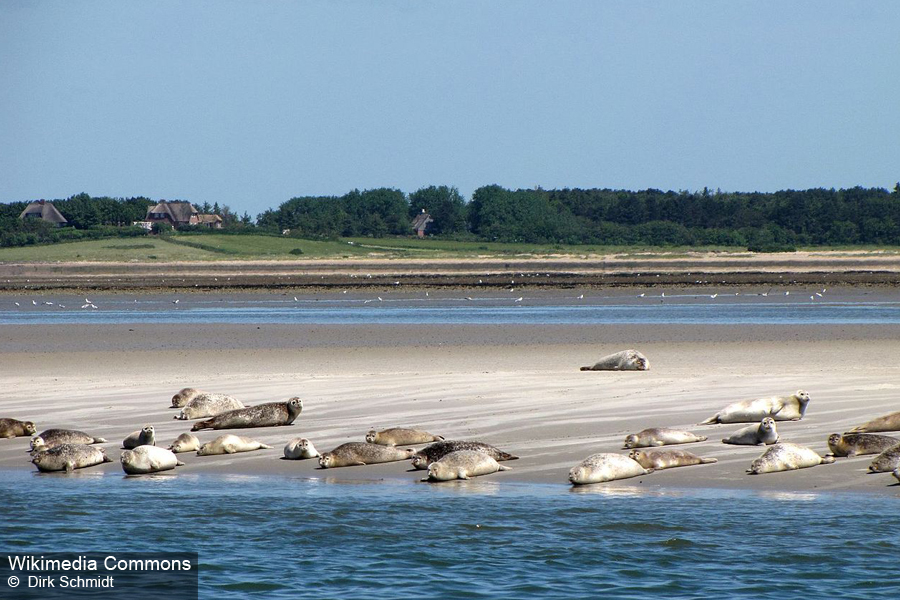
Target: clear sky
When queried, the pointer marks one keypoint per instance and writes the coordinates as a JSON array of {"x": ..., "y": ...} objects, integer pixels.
[{"x": 251, "y": 103}]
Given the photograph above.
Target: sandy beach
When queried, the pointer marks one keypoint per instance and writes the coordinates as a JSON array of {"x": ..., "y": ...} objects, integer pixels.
[{"x": 516, "y": 387}]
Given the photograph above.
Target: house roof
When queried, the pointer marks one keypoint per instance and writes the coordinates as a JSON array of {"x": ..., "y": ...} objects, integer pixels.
[
  {"x": 178, "y": 210},
  {"x": 45, "y": 210},
  {"x": 209, "y": 218},
  {"x": 421, "y": 221}
]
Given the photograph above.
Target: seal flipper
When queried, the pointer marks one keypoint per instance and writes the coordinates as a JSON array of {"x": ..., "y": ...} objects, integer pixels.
[
  {"x": 708, "y": 461},
  {"x": 70, "y": 466},
  {"x": 178, "y": 463},
  {"x": 711, "y": 421},
  {"x": 504, "y": 468}
]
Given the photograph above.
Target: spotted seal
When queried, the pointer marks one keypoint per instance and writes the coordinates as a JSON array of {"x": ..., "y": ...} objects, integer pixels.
[
  {"x": 270, "y": 414},
  {"x": 661, "y": 436},
  {"x": 208, "y": 405},
  {"x": 398, "y": 436},
  {"x": 780, "y": 408},
  {"x": 10, "y": 428},
  {"x": 362, "y": 453},
  {"x": 299, "y": 448},
  {"x": 605, "y": 466},
  {"x": 438, "y": 450},
  {"x": 668, "y": 458},
  {"x": 764, "y": 434},
  {"x": 186, "y": 442},
  {"x": 68, "y": 457},
  {"x": 230, "y": 444},
  {"x": 146, "y": 436},
  {"x": 626, "y": 360},
  {"x": 857, "y": 444},
  {"x": 887, "y": 461},
  {"x": 50, "y": 438},
  {"x": 463, "y": 464},
  {"x": 786, "y": 456},
  {"x": 889, "y": 422},
  {"x": 148, "y": 459}
]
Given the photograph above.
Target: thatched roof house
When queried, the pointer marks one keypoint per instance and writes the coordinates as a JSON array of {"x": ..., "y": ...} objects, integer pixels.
[
  {"x": 41, "y": 209},
  {"x": 175, "y": 213},
  {"x": 421, "y": 222},
  {"x": 211, "y": 221}
]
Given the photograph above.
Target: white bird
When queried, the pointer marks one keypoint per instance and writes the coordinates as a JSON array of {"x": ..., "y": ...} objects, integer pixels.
[
  {"x": 818, "y": 294},
  {"x": 787, "y": 293},
  {"x": 34, "y": 303},
  {"x": 17, "y": 304},
  {"x": 85, "y": 306},
  {"x": 366, "y": 301},
  {"x": 641, "y": 296},
  {"x": 48, "y": 303},
  {"x": 468, "y": 297},
  {"x": 175, "y": 301},
  {"x": 823, "y": 290},
  {"x": 812, "y": 297},
  {"x": 93, "y": 306},
  {"x": 396, "y": 283},
  {"x": 581, "y": 297},
  {"x": 479, "y": 281},
  {"x": 426, "y": 293},
  {"x": 663, "y": 295},
  {"x": 295, "y": 299},
  {"x": 344, "y": 292},
  {"x": 86, "y": 301},
  {"x": 379, "y": 299},
  {"x": 520, "y": 298},
  {"x": 62, "y": 305},
  {"x": 714, "y": 295}
]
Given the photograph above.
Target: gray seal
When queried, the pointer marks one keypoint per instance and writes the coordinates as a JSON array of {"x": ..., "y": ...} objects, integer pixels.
[
  {"x": 889, "y": 422},
  {"x": 780, "y": 408},
  {"x": 626, "y": 360},
  {"x": 764, "y": 434},
  {"x": 605, "y": 466},
  {"x": 857, "y": 444},
  {"x": 668, "y": 458},
  {"x": 362, "y": 453},
  {"x": 787, "y": 457},
  {"x": 230, "y": 444},
  {"x": 270, "y": 414},
  {"x": 208, "y": 405},
  {"x": 300, "y": 448},
  {"x": 68, "y": 457},
  {"x": 887, "y": 461},
  {"x": 54, "y": 437},
  {"x": 399, "y": 436},
  {"x": 438, "y": 450},
  {"x": 148, "y": 459},
  {"x": 661, "y": 436},
  {"x": 186, "y": 442},
  {"x": 463, "y": 464},
  {"x": 10, "y": 428},
  {"x": 146, "y": 436}
]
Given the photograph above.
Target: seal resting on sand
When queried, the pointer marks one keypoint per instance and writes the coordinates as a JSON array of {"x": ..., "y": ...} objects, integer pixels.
[
  {"x": 186, "y": 442},
  {"x": 148, "y": 459},
  {"x": 184, "y": 396},
  {"x": 668, "y": 458},
  {"x": 299, "y": 448},
  {"x": 463, "y": 464},
  {"x": 54, "y": 437},
  {"x": 362, "y": 453},
  {"x": 605, "y": 466},
  {"x": 787, "y": 457},
  {"x": 856, "y": 444},
  {"x": 889, "y": 422},
  {"x": 208, "y": 405},
  {"x": 438, "y": 450},
  {"x": 230, "y": 444},
  {"x": 626, "y": 360},
  {"x": 68, "y": 457},
  {"x": 661, "y": 436},
  {"x": 10, "y": 428},
  {"x": 270, "y": 414},
  {"x": 398, "y": 436},
  {"x": 780, "y": 408},
  {"x": 887, "y": 461},
  {"x": 755, "y": 435},
  {"x": 145, "y": 436}
]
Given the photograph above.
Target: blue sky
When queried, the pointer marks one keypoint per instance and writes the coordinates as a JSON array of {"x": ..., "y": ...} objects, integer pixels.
[{"x": 251, "y": 103}]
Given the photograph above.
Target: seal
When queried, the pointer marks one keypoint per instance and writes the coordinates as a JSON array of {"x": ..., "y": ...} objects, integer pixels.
[
  {"x": 463, "y": 464},
  {"x": 857, "y": 444},
  {"x": 764, "y": 434},
  {"x": 184, "y": 396},
  {"x": 668, "y": 459},
  {"x": 186, "y": 442},
  {"x": 54, "y": 437},
  {"x": 896, "y": 474},
  {"x": 626, "y": 360},
  {"x": 661, "y": 436},
  {"x": 10, "y": 428},
  {"x": 605, "y": 466},
  {"x": 780, "y": 408},
  {"x": 230, "y": 444},
  {"x": 68, "y": 457},
  {"x": 362, "y": 453},
  {"x": 148, "y": 459},
  {"x": 145, "y": 436},
  {"x": 437, "y": 451},
  {"x": 889, "y": 422},
  {"x": 299, "y": 448},
  {"x": 399, "y": 436},
  {"x": 270, "y": 414},
  {"x": 208, "y": 405},
  {"x": 785, "y": 456},
  {"x": 887, "y": 461}
]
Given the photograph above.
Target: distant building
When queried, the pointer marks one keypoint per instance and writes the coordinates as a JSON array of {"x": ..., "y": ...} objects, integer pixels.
[
  {"x": 41, "y": 209},
  {"x": 176, "y": 213},
  {"x": 421, "y": 222},
  {"x": 211, "y": 221}
]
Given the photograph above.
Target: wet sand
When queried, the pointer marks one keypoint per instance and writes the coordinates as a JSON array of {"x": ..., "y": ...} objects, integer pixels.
[{"x": 516, "y": 387}]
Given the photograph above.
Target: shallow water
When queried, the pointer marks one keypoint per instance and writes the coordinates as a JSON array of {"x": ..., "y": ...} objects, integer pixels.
[{"x": 271, "y": 537}]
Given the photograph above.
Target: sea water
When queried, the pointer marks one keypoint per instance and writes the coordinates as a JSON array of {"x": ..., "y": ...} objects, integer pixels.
[{"x": 275, "y": 537}]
